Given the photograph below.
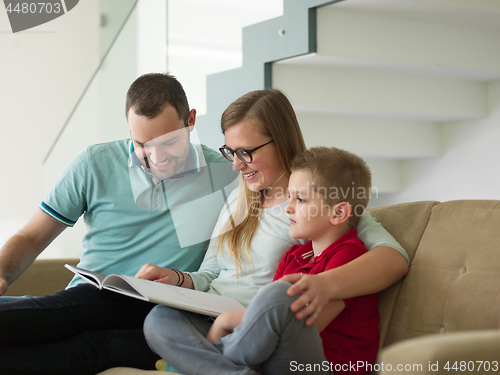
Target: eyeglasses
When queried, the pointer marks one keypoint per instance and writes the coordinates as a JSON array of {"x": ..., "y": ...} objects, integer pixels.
[{"x": 244, "y": 155}]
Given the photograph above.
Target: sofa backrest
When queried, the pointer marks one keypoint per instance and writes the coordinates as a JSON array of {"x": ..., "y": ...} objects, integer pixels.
[
  {"x": 43, "y": 276},
  {"x": 406, "y": 222},
  {"x": 454, "y": 279}
]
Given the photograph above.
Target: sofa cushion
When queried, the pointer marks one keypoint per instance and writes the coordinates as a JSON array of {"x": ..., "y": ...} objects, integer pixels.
[
  {"x": 454, "y": 279},
  {"x": 473, "y": 352},
  {"x": 406, "y": 222}
]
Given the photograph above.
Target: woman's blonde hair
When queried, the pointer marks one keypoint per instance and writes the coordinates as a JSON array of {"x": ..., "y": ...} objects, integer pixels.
[{"x": 274, "y": 116}]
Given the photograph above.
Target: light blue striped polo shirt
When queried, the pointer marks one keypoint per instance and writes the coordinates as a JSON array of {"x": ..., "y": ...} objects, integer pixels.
[{"x": 130, "y": 219}]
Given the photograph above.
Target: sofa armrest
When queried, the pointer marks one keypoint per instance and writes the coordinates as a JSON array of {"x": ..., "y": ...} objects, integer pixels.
[
  {"x": 42, "y": 277},
  {"x": 431, "y": 354}
]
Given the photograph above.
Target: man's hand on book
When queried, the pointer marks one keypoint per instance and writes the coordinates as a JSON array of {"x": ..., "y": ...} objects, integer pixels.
[
  {"x": 225, "y": 324},
  {"x": 158, "y": 274}
]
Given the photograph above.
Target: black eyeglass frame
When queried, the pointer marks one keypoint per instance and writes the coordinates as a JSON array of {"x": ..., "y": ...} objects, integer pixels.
[{"x": 238, "y": 152}]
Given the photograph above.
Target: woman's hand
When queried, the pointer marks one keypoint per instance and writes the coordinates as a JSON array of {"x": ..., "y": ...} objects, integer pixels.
[
  {"x": 225, "y": 324},
  {"x": 158, "y": 274},
  {"x": 315, "y": 295}
]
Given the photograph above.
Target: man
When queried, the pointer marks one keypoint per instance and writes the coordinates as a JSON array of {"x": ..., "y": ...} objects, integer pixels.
[{"x": 152, "y": 199}]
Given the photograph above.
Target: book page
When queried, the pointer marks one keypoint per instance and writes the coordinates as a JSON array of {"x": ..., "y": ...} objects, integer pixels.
[
  {"x": 95, "y": 278},
  {"x": 173, "y": 296},
  {"x": 185, "y": 299},
  {"x": 118, "y": 283}
]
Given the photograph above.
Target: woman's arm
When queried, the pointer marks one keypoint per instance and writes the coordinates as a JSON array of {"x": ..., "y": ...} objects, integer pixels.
[
  {"x": 372, "y": 272},
  {"x": 373, "y": 235}
]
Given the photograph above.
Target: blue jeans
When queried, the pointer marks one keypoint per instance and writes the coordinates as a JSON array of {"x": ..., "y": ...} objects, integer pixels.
[
  {"x": 269, "y": 338},
  {"x": 81, "y": 330}
]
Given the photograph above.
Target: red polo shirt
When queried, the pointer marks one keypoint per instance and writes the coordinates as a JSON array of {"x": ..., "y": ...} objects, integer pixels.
[{"x": 353, "y": 335}]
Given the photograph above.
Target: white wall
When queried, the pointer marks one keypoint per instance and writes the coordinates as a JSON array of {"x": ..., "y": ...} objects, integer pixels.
[
  {"x": 152, "y": 36},
  {"x": 99, "y": 117},
  {"x": 42, "y": 73},
  {"x": 204, "y": 37}
]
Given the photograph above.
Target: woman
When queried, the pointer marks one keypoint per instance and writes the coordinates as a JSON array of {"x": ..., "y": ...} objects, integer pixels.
[{"x": 262, "y": 138}]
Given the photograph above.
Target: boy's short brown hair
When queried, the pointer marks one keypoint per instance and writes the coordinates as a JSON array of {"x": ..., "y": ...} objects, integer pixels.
[{"x": 339, "y": 175}]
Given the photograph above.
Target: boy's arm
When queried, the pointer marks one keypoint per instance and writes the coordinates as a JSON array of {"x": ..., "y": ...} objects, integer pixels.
[
  {"x": 225, "y": 324},
  {"x": 22, "y": 249}
]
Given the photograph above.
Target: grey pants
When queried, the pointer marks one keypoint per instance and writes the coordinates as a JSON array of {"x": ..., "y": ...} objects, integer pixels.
[{"x": 269, "y": 338}]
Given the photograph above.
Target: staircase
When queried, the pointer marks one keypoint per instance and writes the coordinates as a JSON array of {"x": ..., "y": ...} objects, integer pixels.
[{"x": 377, "y": 77}]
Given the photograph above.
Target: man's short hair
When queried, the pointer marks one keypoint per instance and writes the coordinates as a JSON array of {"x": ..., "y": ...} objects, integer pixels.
[
  {"x": 339, "y": 175},
  {"x": 151, "y": 93}
]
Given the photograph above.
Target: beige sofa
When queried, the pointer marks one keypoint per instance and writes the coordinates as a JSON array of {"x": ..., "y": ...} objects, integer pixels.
[{"x": 442, "y": 318}]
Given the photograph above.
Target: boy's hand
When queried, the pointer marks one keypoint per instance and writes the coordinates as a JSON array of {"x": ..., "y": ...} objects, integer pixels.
[
  {"x": 158, "y": 274},
  {"x": 314, "y": 290},
  {"x": 225, "y": 324}
]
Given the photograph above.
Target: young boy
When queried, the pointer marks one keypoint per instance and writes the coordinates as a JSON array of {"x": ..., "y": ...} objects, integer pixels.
[{"x": 328, "y": 191}]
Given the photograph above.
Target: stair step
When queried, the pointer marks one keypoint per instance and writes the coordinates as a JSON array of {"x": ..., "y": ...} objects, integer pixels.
[
  {"x": 316, "y": 60},
  {"x": 364, "y": 92},
  {"x": 412, "y": 32},
  {"x": 372, "y": 137}
]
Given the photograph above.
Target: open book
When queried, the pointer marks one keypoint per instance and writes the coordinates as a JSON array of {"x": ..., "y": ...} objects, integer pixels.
[{"x": 173, "y": 296}]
